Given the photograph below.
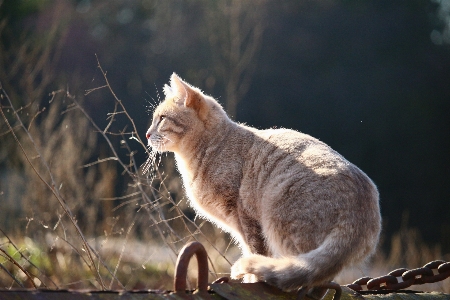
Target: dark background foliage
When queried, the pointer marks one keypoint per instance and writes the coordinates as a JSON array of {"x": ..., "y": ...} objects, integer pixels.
[{"x": 370, "y": 78}]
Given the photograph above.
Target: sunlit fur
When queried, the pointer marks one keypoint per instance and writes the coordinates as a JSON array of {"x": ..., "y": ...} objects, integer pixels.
[{"x": 299, "y": 210}]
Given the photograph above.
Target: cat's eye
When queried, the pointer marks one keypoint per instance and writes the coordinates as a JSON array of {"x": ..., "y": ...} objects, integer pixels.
[{"x": 162, "y": 117}]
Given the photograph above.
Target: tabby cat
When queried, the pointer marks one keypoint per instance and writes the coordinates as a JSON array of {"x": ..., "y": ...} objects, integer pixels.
[{"x": 299, "y": 210}]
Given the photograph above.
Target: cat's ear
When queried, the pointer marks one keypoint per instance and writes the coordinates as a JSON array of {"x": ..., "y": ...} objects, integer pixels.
[
  {"x": 176, "y": 90},
  {"x": 185, "y": 94}
]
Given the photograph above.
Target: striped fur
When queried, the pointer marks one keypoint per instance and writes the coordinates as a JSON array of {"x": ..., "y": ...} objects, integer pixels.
[{"x": 299, "y": 210}]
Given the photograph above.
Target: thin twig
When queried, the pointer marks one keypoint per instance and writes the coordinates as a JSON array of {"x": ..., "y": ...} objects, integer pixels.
[
  {"x": 12, "y": 276},
  {"x": 13, "y": 261},
  {"x": 29, "y": 261},
  {"x": 123, "y": 249},
  {"x": 51, "y": 187}
]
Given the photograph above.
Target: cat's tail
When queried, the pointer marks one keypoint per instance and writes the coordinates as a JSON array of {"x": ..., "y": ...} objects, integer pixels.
[{"x": 309, "y": 269}]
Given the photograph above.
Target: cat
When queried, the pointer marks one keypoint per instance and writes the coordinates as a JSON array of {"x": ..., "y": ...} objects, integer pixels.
[{"x": 299, "y": 211}]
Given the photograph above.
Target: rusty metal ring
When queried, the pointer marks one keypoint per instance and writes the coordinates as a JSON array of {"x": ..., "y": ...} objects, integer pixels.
[
  {"x": 224, "y": 279},
  {"x": 304, "y": 290},
  {"x": 301, "y": 293},
  {"x": 434, "y": 264},
  {"x": 398, "y": 272},
  {"x": 436, "y": 278},
  {"x": 333, "y": 286},
  {"x": 418, "y": 274},
  {"x": 182, "y": 264},
  {"x": 401, "y": 285},
  {"x": 375, "y": 284},
  {"x": 355, "y": 287},
  {"x": 445, "y": 267},
  {"x": 362, "y": 280}
]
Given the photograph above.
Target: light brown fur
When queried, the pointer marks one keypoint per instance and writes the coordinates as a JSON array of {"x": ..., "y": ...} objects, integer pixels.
[{"x": 299, "y": 210}]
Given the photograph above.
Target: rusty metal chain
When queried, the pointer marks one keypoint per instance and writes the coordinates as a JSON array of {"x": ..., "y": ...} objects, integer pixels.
[{"x": 399, "y": 279}]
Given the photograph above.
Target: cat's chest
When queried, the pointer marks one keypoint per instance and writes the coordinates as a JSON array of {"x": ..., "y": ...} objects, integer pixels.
[{"x": 212, "y": 188}]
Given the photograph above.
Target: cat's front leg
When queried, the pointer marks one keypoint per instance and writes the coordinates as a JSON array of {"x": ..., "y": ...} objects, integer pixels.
[
  {"x": 239, "y": 270},
  {"x": 242, "y": 268},
  {"x": 252, "y": 244},
  {"x": 236, "y": 270}
]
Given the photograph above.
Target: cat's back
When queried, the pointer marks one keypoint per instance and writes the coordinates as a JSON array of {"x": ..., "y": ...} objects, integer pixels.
[
  {"x": 291, "y": 163},
  {"x": 290, "y": 149}
]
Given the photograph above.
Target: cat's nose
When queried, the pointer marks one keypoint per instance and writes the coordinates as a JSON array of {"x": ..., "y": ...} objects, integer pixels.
[{"x": 147, "y": 135}]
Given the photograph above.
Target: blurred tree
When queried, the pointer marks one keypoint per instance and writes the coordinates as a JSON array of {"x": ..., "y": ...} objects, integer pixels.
[
  {"x": 30, "y": 48},
  {"x": 33, "y": 36},
  {"x": 29, "y": 52},
  {"x": 235, "y": 32}
]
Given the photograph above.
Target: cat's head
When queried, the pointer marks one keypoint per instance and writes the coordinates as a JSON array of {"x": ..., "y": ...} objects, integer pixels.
[{"x": 185, "y": 116}]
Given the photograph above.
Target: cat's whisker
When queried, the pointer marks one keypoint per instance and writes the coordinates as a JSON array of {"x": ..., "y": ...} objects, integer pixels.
[
  {"x": 157, "y": 95},
  {"x": 150, "y": 162},
  {"x": 151, "y": 106},
  {"x": 147, "y": 166},
  {"x": 160, "y": 144}
]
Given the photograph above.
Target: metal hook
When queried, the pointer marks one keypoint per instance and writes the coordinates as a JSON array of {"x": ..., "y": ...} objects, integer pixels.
[{"x": 182, "y": 264}]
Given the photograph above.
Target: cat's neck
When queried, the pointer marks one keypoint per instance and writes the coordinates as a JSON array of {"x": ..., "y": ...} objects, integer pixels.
[
  {"x": 223, "y": 137},
  {"x": 212, "y": 137}
]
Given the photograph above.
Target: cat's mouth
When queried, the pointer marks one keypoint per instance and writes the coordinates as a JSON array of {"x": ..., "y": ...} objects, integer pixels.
[
  {"x": 155, "y": 145},
  {"x": 158, "y": 142}
]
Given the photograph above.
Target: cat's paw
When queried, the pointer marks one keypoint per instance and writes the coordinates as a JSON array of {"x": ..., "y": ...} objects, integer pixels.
[
  {"x": 250, "y": 278},
  {"x": 236, "y": 270},
  {"x": 244, "y": 268}
]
